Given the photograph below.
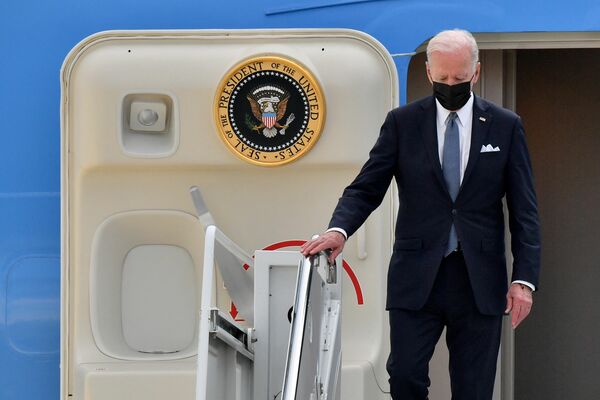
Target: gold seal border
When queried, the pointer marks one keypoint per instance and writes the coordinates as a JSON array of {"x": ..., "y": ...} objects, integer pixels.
[{"x": 269, "y": 58}]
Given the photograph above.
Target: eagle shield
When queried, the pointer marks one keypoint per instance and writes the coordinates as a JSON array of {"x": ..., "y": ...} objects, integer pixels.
[{"x": 269, "y": 103}]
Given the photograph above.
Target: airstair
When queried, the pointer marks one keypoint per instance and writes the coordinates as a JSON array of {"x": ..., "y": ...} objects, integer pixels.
[{"x": 275, "y": 358}]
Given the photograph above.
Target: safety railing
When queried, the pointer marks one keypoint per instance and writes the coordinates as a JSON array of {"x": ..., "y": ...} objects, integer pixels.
[
  {"x": 314, "y": 353},
  {"x": 313, "y": 357},
  {"x": 230, "y": 258}
]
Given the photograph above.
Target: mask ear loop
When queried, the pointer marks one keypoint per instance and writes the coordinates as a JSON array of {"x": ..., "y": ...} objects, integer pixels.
[
  {"x": 474, "y": 73},
  {"x": 428, "y": 73}
]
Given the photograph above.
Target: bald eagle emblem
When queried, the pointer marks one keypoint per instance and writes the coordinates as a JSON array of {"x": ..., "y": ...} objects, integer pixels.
[{"x": 268, "y": 104}]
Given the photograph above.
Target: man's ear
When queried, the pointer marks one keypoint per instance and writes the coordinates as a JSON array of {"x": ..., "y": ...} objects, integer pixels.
[{"x": 477, "y": 72}]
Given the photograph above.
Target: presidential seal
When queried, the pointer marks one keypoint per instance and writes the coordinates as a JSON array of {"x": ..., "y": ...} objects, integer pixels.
[{"x": 269, "y": 110}]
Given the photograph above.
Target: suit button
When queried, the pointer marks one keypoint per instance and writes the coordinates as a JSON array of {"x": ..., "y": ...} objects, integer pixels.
[{"x": 454, "y": 211}]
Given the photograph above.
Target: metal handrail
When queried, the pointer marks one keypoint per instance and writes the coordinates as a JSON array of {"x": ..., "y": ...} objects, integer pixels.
[
  {"x": 230, "y": 258},
  {"x": 305, "y": 271},
  {"x": 292, "y": 365}
]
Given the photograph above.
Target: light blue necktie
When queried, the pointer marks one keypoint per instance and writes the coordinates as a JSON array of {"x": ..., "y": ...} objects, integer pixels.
[{"x": 451, "y": 169}]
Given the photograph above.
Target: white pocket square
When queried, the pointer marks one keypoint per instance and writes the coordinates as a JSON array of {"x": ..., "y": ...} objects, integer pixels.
[{"x": 489, "y": 148}]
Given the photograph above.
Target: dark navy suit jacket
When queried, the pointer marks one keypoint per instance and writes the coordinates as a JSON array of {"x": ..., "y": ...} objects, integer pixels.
[{"x": 407, "y": 150}]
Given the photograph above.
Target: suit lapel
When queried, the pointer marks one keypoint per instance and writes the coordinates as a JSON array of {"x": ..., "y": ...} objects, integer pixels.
[
  {"x": 479, "y": 133},
  {"x": 428, "y": 128}
]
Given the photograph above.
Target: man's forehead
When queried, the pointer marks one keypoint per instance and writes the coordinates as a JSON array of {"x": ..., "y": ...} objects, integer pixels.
[
  {"x": 463, "y": 52},
  {"x": 452, "y": 60}
]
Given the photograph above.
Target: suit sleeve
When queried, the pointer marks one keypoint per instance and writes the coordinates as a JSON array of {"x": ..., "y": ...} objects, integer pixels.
[
  {"x": 522, "y": 208},
  {"x": 367, "y": 190}
]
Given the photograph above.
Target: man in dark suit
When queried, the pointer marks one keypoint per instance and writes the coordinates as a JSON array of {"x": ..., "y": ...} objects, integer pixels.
[{"x": 454, "y": 156}]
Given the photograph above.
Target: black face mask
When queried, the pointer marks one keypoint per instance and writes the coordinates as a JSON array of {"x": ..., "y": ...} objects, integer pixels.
[{"x": 452, "y": 97}]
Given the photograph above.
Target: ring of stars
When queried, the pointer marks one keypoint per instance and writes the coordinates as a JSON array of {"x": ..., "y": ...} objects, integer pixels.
[{"x": 237, "y": 130}]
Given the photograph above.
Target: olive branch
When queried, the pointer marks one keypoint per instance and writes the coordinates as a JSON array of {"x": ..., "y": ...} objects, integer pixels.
[{"x": 250, "y": 123}]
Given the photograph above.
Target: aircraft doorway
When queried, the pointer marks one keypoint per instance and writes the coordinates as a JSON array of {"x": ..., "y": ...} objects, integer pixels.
[
  {"x": 554, "y": 354},
  {"x": 558, "y": 96}
]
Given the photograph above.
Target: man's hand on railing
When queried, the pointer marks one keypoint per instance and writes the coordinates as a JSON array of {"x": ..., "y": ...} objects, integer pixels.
[{"x": 329, "y": 240}]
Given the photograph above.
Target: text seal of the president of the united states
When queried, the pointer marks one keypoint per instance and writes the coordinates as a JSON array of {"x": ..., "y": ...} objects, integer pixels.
[{"x": 269, "y": 110}]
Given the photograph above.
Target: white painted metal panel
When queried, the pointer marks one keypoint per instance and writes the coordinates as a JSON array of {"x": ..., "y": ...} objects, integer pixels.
[{"x": 109, "y": 172}]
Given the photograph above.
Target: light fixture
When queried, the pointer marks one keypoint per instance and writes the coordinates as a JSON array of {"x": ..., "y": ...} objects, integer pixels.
[{"x": 148, "y": 116}]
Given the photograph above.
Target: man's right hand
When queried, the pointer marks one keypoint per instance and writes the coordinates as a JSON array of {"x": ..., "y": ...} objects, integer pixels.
[{"x": 329, "y": 240}]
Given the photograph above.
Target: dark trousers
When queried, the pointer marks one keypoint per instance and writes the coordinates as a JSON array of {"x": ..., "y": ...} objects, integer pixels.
[{"x": 473, "y": 339}]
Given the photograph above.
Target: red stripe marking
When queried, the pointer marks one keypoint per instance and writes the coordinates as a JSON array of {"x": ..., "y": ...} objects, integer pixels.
[
  {"x": 355, "y": 282},
  {"x": 345, "y": 265},
  {"x": 298, "y": 243},
  {"x": 288, "y": 243}
]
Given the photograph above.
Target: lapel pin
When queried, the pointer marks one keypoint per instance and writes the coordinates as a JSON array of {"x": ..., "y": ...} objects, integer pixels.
[{"x": 482, "y": 119}]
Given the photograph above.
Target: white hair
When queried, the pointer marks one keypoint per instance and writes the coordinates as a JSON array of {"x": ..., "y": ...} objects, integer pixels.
[{"x": 453, "y": 40}]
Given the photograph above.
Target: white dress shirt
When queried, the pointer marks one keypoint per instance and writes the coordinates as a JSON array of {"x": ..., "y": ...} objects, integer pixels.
[{"x": 465, "y": 123}]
